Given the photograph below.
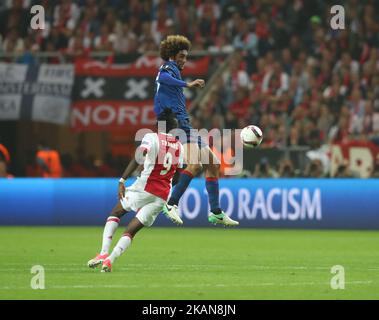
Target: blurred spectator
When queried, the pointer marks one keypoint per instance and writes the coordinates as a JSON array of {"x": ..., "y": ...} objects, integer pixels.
[
  {"x": 230, "y": 120},
  {"x": 13, "y": 43},
  {"x": 264, "y": 170},
  {"x": 247, "y": 41},
  {"x": 241, "y": 104},
  {"x": 237, "y": 78},
  {"x": 222, "y": 41},
  {"x": 280, "y": 32},
  {"x": 48, "y": 161},
  {"x": 67, "y": 166},
  {"x": 375, "y": 169},
  {"x": 27, "y": 56},
  {"x": 107, "y": 168},
  {"x": 275, "y": 81},
  {"x": 325, "y": 120},
  {"x": 4, "y": 169},
  {"x": 66, "y": 14},
  {"x": 160, "y": 24},
  {"x": 89, "y": 23},
  {"x": 318, "y": 151},
  {"x": 14, "y": 18},
  {"x": 4, "y": 162},
  {"x": 57, "y": 40},
  {"x": 286, "y": 169},
  {"x": 184, "y": 17},
  {"x": 208, "y": 13},
  {"x": 84, "y": 166},
  {"x": 4, "y": 153},
  {"x": 314, "y": 169},
  {"x": 76, "y": 49},
  {"x": 31, "y": 167},
  {"x": 343, "y": 171},
  {"x": 105, "y": 41},
  {"x": 125, "y": 38}
]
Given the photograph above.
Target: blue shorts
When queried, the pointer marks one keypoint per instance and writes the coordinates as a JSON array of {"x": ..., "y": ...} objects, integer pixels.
[{"x": 191, "y": 136}]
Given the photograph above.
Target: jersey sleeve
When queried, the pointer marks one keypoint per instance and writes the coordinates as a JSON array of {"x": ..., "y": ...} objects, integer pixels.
[
  {"x": 166, "y": 77},
  {"x": 150, "y": 144}
]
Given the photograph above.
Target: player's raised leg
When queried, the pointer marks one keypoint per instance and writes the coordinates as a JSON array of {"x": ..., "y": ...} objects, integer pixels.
[
  {"x": 191, "y": 157},
  {"x": 109, "y": 229},
  {"x": 212, "y": 171}
]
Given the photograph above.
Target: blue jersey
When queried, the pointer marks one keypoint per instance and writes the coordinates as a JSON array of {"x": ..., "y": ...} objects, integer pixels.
[{"x": 169, "y": 91}]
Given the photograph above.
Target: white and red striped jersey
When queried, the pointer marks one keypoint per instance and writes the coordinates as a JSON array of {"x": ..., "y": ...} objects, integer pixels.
[{"x": 164, "y": 155}]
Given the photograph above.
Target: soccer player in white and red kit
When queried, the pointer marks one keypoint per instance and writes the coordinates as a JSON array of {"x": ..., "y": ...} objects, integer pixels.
[{"x": 161, "y": 155}]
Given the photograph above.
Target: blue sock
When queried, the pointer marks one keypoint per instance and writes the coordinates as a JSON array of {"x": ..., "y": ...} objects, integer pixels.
[
  {"x": 211, "y": 185},
  {"x": 183, "y": 183}
]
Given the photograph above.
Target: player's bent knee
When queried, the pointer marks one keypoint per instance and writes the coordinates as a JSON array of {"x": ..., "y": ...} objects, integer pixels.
[
  {"x": 145, "y": 220},
  {"x": 195, "y": 169},
  {"x": 147, "y": 216},
  {"x": 212, "y": 170},
  {"x": 118, "y": 211}
]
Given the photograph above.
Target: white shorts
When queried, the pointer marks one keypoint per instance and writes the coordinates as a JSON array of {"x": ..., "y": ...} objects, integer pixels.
[{"x": 145, "y": 204}]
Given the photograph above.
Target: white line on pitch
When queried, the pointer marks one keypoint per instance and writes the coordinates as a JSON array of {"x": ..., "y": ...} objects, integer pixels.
[{"x": 116, "y": 286}]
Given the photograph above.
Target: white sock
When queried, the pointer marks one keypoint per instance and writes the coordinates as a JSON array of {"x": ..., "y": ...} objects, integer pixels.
[
  {"x": 109, "y": 230},
  {"x": 120, "y": 247}
]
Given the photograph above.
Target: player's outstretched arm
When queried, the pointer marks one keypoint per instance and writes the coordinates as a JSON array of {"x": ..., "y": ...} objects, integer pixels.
[
  {"x": 166, "y": 78},
  {"x": 198, "y": 83},
  {"x": 132, "y": 166}
]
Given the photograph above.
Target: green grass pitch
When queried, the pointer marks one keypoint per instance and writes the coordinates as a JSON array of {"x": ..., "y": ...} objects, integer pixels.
[{"x": 185, "y": 263}]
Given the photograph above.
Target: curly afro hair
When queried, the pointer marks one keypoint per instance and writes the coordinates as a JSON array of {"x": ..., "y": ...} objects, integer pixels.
[{"x": 171, "y": 46}]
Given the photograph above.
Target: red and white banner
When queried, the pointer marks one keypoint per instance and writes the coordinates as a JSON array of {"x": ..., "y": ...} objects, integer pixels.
[
  {"x": 358, "y": 154},
  {"x": 145, "y": 66},
  {"x": 120, "y": 97},
  {"x": 99, "y": 114}
]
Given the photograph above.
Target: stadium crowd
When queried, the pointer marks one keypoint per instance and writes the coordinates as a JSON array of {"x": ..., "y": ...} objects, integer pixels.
[{"x": 291, "y": 70}]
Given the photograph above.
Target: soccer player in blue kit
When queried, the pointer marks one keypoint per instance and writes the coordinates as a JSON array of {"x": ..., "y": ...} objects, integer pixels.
[{"x": 169, "y": 94}]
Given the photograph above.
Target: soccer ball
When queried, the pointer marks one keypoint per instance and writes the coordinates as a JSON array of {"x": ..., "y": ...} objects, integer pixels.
[{"x": 251, "y": 136}]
